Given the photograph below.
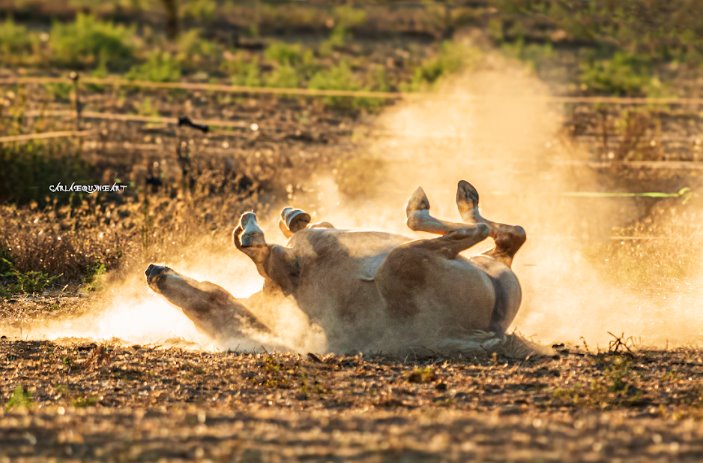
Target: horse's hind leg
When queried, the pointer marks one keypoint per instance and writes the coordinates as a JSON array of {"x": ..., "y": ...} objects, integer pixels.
[
  {"x": 508, "y": 238},
  {"x": 456, "y": 237},
  {"x": 414, "y": 273}
]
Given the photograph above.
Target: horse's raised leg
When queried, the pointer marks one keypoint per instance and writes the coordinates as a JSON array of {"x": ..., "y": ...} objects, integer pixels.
[
  {"x": 456, "y": 237},
  {"x": 275, "y": 263},
  {"x": 492, "y": 293},
  {"x": 407, "y": 278},
  {"x": 212, "y": 309},
  {"x": 508, "y": 238},
  {"x": 294, "y": 220}
]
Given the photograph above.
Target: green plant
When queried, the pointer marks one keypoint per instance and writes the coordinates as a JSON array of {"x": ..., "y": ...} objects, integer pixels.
[
  {"x": 87, "y": 42},
  {"x": 283, "y": 76},
  {"x": 95, "y": 277},
  {"x": 349, "y": 17},
  {"x": 536, "y": 55},
  {"x": 617, "y": 384},
  {"x": 20, "y": 398},
  {"x": 346, "y": 18},
  {"x": 452, "y": 57},
  {"x": 159, "y": 67},
  {"x": 201, "y": 10},
  {"x": 292, "y": 64},
  {"x": 196, "y": 53},
  {"x": 338, "y": 77},
  {"x": 244, "y": 70},
  {"x": 5, "y": 268},
  {"x": 85, "y": 401},
  {"x": 285, "y": 53},
  {"x": 59, "y": 91},
  {"x": 379, "y": 79},
  {"x": 15, "y": 41},
  {"x": 29, "y": 282},
  {"x": 622, "y": 74},
  {"x": 422, "y": 375}
]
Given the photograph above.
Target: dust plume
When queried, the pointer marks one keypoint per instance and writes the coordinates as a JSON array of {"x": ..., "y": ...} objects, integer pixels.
[
  {"x": 495, "y": 128},
  {"x": 131, "y": 312}
]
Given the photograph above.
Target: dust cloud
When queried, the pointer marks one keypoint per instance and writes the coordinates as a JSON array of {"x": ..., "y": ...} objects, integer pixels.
[
  {"x": 495, "y": 128},
  {"x": 130, "y": 312}
]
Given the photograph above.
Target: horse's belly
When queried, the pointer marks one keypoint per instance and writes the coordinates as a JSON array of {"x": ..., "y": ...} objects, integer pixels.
[
  {"x": 458, "y": 297},
  {"x": 338, "y": 288}
]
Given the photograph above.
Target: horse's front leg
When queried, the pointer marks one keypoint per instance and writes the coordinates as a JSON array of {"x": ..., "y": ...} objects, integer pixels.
[
  {"x": 277, "y": 264},
  {"x": 212, "y": 309}
]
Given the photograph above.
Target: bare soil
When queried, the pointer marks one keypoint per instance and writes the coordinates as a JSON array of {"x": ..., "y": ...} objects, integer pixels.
[{"x": 136, "y": 403}]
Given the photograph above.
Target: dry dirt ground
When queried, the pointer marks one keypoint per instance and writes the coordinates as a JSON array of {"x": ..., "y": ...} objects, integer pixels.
[{"x": 86, "y": 401}]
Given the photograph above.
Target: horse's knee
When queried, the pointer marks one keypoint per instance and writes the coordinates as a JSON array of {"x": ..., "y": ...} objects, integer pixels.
[
  {"x": 481, "y": 231},
  {"x": 517, "y": 237}
]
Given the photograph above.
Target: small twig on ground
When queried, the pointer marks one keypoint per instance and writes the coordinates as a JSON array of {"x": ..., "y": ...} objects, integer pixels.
[{"x": 618, "y": 342}]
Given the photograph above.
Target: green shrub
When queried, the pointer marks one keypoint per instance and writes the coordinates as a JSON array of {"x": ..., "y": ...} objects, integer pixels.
[
  {"x": 453, "y": 57},
  {"x": 342, "y": 77},
  {"x": 379, "y": 79},
  {"x": 283, "y": 53},
  {"x": 286, "y": 57},
  {"x": 201, "y": 10},
  {"x": 244, "y": 70},
  {"x": 345, "y": 18},
  {"x": 20, "y": 398},
  {"x": 87, "y": 42},
  {"x": 95, "y": 278},
  {"x": 29, "y": 282},
  {"x": 196, "y": 53},
  {"x": 623, "y": 74},
  {"x": 85, "y": 401},
  {"x": 15, "y": 41},
  {"x": 662, "y": 32},
  {"x": 537, "y": 55},
  {"x": 159, "y": 67},
  {"x": 349, "y": 17},
  {"x": 60, "y": 91},
  {"x": 338, "y": 77},
  {"x": 293, "y": 65},
  {"x": 145, "y": 107},
  {"x": 283, "y": 76}
]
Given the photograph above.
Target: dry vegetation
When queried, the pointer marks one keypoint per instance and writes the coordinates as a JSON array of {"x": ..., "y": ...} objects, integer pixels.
[{"x": 81, "y": 400}]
